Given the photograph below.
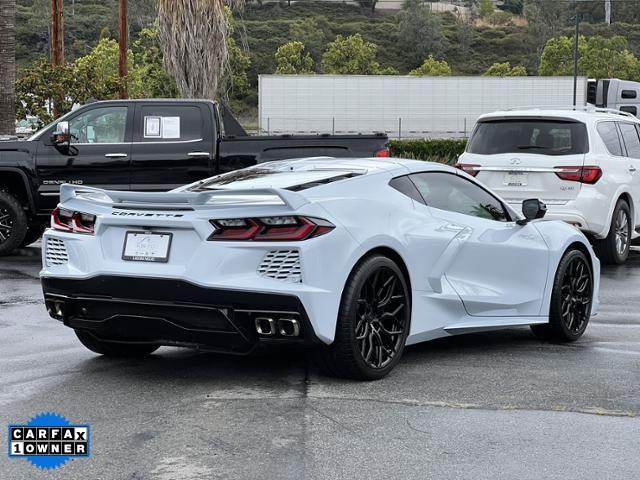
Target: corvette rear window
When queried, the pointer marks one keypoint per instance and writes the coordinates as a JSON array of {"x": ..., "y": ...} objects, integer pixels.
[
  {"x": 547, "y": 137},
  {"x": 295, "y": 180}
]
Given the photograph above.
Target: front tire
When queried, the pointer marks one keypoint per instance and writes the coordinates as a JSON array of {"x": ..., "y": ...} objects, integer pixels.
[
  {"x": 13, "y": 223},
  {"x": 614, "y": 249},
  {"x": 373, "y": 322},
  {"x": 571, "y": 300},
  {"x": 115, "y": 349}
]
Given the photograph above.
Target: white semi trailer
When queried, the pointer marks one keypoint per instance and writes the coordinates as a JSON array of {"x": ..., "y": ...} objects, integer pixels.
[{"x": 400, "y": 106}]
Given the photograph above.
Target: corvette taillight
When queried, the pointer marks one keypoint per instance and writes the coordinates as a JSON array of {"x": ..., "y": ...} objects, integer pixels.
[
  {"x": 74, "y": 222},
  {"x": 470, "y": 168},
  {"x": 275, "y": 229},
  {"x": 589, "y": 175}
]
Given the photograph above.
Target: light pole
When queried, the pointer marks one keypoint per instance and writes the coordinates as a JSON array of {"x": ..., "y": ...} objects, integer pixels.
[
  {"x": 578, "y": 17},
  {"x": 122, "y": 43}
]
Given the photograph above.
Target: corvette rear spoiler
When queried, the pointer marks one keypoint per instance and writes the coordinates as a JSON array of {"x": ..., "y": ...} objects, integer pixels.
[{"x": 225, "y": 198}]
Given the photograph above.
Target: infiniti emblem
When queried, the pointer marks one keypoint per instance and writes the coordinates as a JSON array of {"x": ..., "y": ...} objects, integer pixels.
[{"x": 515, "y": 161}]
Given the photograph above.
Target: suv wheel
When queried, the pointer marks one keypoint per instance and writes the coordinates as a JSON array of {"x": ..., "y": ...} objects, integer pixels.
[
  {"x": 614, "y": 249},
  {"x": 13, "y": 223}
]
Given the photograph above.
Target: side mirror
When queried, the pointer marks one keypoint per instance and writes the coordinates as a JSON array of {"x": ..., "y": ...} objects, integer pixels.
[
  {"x": 532, "y": 209},
  {"x": 61, "y": 134}
]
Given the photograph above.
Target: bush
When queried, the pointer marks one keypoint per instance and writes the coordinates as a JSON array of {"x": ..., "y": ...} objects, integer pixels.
[{"x": 434, "y": 150}]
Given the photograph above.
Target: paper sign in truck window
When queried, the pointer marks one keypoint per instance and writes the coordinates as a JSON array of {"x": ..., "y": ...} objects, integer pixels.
[
  {"x": 170, "y": 127},
  {"x": 152, "y": 127}
]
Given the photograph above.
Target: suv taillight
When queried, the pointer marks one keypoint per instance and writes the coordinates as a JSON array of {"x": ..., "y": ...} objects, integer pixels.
[
  {"x": 470, "y": 168},
  {"x": 275, "y": 229},
  {"x": 74, "y": 222},
  {"x": 382, "y": 153},
  {"x": 589, "y": 175}
]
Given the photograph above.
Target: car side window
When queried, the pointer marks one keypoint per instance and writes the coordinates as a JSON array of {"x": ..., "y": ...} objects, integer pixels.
[
  {"x": 450, "y": 192},
  {"x": 631, "y": 139},
  {"x": 167, "y": 123},
  {"x": 609, "y": 135},
  {"x": 99, "y": 125}
]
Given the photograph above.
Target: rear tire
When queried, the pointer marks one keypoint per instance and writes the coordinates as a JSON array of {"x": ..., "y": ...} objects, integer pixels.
[
  {"x": 115, "y": 349},
  {"x": 571, "y": 300},
  {"x": 373, "y": 322},
  {"x": 34, "y": 232},
  {"x": 614, "y": 249},
  {"x": 13, "y": 223}
]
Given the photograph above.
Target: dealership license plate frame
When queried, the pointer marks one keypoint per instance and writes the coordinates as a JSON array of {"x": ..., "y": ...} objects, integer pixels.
[
  {"x": 147, "y": 258},
  {"x": 515, "y": 179}
]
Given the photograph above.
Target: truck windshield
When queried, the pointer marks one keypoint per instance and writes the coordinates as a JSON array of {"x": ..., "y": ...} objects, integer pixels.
[{"x": 547, "y": 137}]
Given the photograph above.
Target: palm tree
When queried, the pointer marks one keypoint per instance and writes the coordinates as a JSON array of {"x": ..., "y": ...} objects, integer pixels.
[
  {"x": 193, "y": 39},
  {"x": 8, "y": 67}
]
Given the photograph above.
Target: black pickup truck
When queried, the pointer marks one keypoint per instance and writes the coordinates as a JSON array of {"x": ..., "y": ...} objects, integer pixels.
[{"x": 144, "y": 145}]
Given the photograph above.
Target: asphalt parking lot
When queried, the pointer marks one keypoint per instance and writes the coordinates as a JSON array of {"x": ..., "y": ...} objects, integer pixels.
[{"x": 483, "y": 406}]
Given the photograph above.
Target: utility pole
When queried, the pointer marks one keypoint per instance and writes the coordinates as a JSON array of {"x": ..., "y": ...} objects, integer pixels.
[
  {"x": 56, "y": 45},
  {"x": 57, "y": 33},
  {"x": 607, "y": 11},
  {"x": 8, "y": 67},
  {"x": 122, "y": 42}
]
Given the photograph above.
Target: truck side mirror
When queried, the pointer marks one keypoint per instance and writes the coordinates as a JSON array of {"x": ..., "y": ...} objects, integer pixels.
[
  {"x": 61, "y": 134},
  {"x": 532, "y": 209}
]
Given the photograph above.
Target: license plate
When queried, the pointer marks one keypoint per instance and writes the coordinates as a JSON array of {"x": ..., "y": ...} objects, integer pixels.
[
  {"x": 515, "y": 179},
  {"x": 147, "y": 247}
]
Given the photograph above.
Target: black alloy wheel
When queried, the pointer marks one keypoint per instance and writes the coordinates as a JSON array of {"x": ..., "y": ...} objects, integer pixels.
[
  {"x": 571, "y": 300},
  {"x": 373, "y": 322},
  {"x": 576, "y": 291},
  {"x": 13, "y": 223},
  {"x": 6, "y": 225},
  {"x": 380, "y": 326}
]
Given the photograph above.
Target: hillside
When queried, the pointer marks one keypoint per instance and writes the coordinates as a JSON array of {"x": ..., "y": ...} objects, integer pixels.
[{"x": 469, "y": 47}]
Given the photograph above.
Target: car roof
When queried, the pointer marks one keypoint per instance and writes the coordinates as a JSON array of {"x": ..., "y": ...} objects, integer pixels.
[{"x": 580, "y": 114}]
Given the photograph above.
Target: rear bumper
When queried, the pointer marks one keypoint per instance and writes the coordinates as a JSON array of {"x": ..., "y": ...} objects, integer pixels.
[{"x": 172, "y": 312}]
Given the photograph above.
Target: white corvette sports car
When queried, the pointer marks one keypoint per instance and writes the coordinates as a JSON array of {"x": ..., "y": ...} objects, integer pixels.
[{"x": 356, "y": 258}]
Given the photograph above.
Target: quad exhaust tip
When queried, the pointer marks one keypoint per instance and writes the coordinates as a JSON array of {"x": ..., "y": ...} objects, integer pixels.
[
  {"x": 285, "y": 327},
  {"x": 265, "y": 326},
  {"x": 288, "y": 327}
]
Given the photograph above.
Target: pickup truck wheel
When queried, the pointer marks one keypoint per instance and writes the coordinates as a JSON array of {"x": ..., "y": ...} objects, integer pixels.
[
  {"x": 34, "y": 232},
  {"x": 614, "y": 249},
  {"x": 115, "y": 349},
  {"x": 13, "y": 223}
]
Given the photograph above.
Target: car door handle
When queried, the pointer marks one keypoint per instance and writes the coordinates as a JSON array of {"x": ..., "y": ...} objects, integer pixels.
[
  {"x": 632, "y": 169},
  {"x": 116, "y": 155},
  {"x": 198, "y": 154}
]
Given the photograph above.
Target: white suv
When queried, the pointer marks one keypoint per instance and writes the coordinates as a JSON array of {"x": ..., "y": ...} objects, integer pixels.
[{"x": 582, "y": 163}]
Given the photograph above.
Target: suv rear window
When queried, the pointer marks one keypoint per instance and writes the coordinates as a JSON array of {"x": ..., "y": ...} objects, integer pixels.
[{"x": 548, "y": 137}]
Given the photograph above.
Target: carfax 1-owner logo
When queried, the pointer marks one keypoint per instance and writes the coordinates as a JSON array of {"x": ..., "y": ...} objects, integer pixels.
[{"x": 49, "y": 440}]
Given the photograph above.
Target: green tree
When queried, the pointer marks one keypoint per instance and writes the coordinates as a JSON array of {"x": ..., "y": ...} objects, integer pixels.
[
  {"x": 292, "y": 59},
  {"x": 350, "y": 56},
  {"x": 546, "y": 19},
  {"x": 234, "y": 85},
  {"x": 599, "y": 57},
  {"x": 313, "y": 33},
  {"x": 505, "y": 70},
  {"x": 432, "y": 68},
  {"x": 147, "y": 58},
  {"x": 419, "y": 33},
  {"x": 486, "y": 8}
]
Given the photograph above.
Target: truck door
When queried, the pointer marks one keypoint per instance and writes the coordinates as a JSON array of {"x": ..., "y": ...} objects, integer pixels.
[
  {"x": 172, "y": 145},
  {"x": 97, "y": 154}
]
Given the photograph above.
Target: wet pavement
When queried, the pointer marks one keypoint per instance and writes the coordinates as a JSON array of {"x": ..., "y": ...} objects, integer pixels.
[{"x": 482, "y": 406}]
